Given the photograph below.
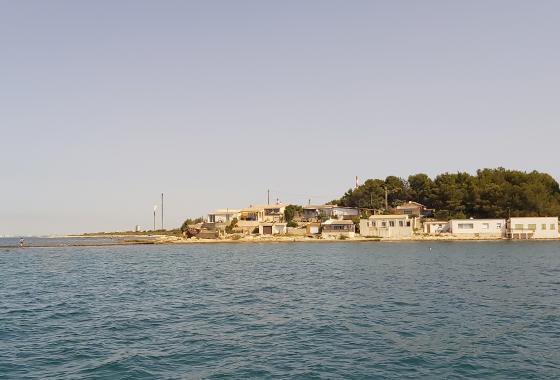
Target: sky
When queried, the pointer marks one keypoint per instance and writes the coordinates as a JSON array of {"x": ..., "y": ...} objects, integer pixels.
[{"x": 104, "y": 105}]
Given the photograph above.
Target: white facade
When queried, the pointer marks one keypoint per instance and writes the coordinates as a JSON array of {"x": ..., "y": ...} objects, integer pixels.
[
  {"x": 533, "y": 228},
  {"x": 387, "y": 226},
  {"x": 484, "y": 228}
]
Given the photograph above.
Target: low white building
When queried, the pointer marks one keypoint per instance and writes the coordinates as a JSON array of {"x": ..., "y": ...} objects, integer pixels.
[
  {"x": 387, "y": 226},
  {"x": 533, "y": 228},
  {"x": 478, "y": 228},
  {"x": 435, "y": 227}
]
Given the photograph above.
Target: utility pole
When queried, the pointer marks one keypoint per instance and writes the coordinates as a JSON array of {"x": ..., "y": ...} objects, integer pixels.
[
  {"x": 268, "y": 197},
  {"x": 155, "y": 208},
  {"x": 386, "y": 199},
  {"x": 162, "y": 211}
]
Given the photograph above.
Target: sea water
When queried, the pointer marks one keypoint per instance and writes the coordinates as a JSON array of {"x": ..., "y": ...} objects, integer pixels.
[{"x": 300, "y": 310}]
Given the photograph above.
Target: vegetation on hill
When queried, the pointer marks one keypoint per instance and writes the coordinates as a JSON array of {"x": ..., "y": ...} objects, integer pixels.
[{"x": 491, "y": 193}]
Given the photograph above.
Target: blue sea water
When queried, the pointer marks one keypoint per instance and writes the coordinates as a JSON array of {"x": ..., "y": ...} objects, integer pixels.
[{"x": 338, "y": 311}]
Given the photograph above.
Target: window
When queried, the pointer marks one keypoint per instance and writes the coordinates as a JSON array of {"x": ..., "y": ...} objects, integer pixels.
[
  {"x": 373, "y": 224},
  {"x": 401, "y": 223},
  {"x": 543, "y": 227},
  {"x": 391, "y": 223},
  {"x": 466, "y": 226},
  {"x": 485, "y": 226},
  {"x": 532, "y": 227},
  {"x": 553, "y": 226},
  {"x": 499, "y": 226},
  {"x": 383, "y": 224},
  {"x": 408, "y": 223}
]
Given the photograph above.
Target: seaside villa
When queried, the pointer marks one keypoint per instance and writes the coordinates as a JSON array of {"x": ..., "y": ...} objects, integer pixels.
[
  {"x": 533, "y": 228},
  {"x": 478, "y": 228},
  {"x": 387, "y": 226}
]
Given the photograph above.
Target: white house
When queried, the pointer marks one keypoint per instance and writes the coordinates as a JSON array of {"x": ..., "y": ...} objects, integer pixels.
[
  {"x": 475, "y": 228},
  {"x": 533, "y": 228},
  {"x": 387, "y": 226}
]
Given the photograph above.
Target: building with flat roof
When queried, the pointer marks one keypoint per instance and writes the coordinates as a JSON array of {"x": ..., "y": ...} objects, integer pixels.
[
  {"x": 387, "y": 226},
  {"x": 478, "y": 228},
  {"x": 336, "y": 228},
  {"x": 532, "y": 228}
]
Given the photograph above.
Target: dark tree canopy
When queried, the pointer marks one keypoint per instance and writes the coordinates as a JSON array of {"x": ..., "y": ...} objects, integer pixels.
[{"x": 491, "y": 193}]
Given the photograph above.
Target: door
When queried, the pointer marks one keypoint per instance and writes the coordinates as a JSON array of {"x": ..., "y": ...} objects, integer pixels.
[{"x": 267, "y": 230}]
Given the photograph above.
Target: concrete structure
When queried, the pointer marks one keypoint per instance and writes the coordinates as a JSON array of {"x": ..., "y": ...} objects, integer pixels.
[
  {"x": 478, "y": 228},
  {"x": 533, "y": 228},
  {"x": 387, "y": 226},
  {"x": 334, "y": 228},
  {"x": 435, "y": 227},
  {"x": 223, "y": 216},
  {"x": 413, "y": 209},
  {"x": 314, "y": 213},
  {"x": 266, "y": 228}
]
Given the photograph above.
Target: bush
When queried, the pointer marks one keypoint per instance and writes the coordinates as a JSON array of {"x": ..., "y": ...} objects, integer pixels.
[
  {"x": 256, "y": 230},
  {"x": 291, "y": 223},
  {"x": 342, "y": 237},
  {"x": 231, "y": 226}
]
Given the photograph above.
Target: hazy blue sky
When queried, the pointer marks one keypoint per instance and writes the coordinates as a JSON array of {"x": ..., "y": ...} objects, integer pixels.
[{"x": 106, "y": 104}]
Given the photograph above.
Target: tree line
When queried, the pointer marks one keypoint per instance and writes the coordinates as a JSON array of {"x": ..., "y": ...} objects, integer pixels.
[{"x": 491, "y": 193}]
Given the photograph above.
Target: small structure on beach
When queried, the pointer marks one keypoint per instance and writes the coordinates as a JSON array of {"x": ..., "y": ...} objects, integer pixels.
[{"x": 337, "y": 228}]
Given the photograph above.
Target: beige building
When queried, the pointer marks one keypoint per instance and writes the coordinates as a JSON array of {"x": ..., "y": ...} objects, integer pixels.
[
  {"x": 478, "y": 228},
  {"x": 334, "y": 228},
  {"x": 413, "y": 209},
  {"x": 533, "y": 228},
  {"x": 387, "y": 226}
]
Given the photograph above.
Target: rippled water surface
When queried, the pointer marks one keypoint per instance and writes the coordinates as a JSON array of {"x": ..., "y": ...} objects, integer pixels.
[{"x": 340, "y": 310}]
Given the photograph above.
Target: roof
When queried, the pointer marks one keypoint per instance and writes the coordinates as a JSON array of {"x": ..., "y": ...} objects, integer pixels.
[
  {"x": 378, "y": 216},
  {"x": 224, "y": 211},
  {"x": 409, "y": 204},
  {"x": 478, "y": 220},
  {"x": 336, "y": 221},
  {"x": 257, "y": 208},
  {"x": 436, "y": 222}
]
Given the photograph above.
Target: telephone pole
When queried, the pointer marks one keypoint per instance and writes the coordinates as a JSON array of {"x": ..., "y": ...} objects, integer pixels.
[
  {"x": 268, "y": 197},
  {"x": 162, "y": 211}
]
